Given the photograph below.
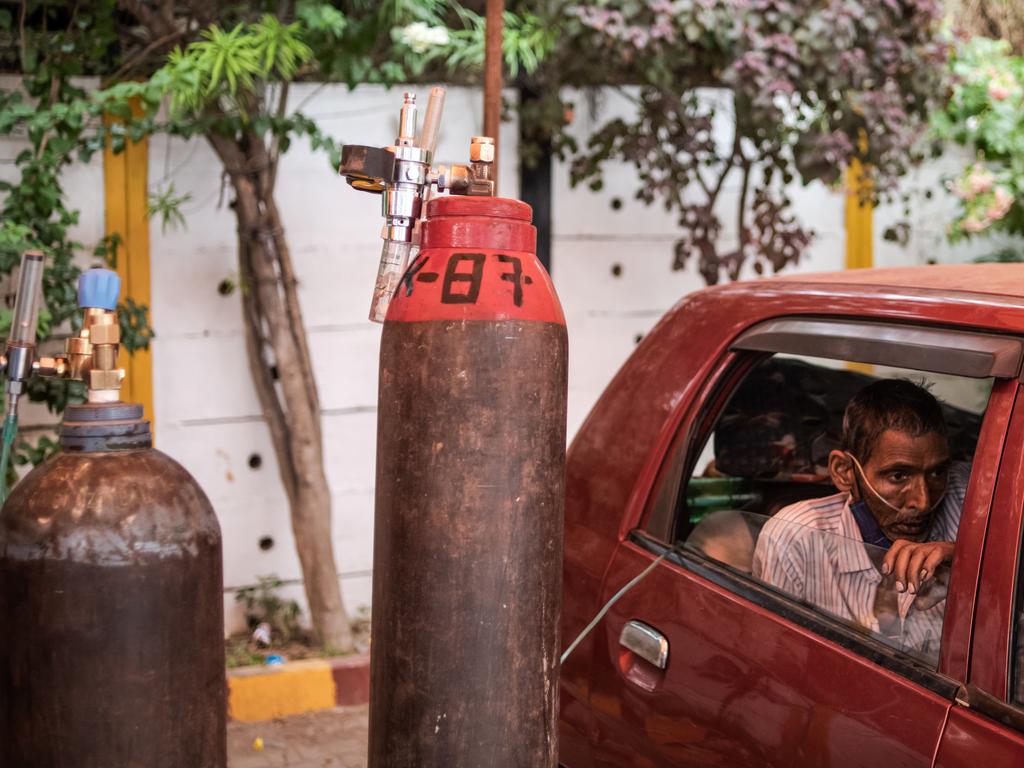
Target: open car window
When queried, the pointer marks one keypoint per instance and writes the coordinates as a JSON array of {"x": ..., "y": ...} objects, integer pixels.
[
  {"x": 732, "y": 490},
  {"x": 769, "y": 446}
]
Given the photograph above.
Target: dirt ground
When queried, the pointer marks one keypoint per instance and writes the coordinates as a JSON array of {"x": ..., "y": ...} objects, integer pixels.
[{"x": 334, "y": 738}]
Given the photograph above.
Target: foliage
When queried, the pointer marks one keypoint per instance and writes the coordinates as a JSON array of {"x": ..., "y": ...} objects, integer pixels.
[
  {"x": 262, "y": 604},
  {"x": 165, "y": 205},
  {"x": 807, "y": 86},
  {"x": 238, "y": 652},
  {"x": 526, "y": 40},
  {"x": 1002, "y": 256},
  {"x": 986, "y": 115}
]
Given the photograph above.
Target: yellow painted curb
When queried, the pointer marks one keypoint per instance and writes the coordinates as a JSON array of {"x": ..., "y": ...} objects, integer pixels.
[{"x": 263, "y": 693}]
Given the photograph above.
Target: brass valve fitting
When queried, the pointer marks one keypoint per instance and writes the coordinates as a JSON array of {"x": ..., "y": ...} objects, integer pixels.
[{"x": 91, "y": 356}]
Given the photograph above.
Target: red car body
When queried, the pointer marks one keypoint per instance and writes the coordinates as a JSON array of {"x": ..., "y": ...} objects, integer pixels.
[{"x": 746, "y": 685}]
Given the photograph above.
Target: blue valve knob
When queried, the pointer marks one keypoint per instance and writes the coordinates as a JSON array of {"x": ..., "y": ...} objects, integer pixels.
[{"x": 98, "y": 289}]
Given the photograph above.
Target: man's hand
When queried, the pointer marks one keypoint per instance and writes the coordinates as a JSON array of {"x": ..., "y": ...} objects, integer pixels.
[{"x": 911, "y": 563}]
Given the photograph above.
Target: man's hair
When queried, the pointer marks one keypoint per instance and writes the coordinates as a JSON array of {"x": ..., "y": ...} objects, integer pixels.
[{"x": 896, "y": 404}]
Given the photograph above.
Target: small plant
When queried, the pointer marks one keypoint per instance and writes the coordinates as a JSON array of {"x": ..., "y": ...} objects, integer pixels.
[
  {"x": 986, "y": 115},
  {"x": 263, "y": 604},
  {"x": 238, "y": 653}
]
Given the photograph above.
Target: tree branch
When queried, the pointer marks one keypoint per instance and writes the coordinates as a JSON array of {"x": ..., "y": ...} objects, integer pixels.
[
  {"x": 728, "y": 167},
  {"x": 140, "y": 58},
  {"x": 741, "y": 215},
  {"x": 157, "y": 23},
  {"x": 275, "y": 141}
]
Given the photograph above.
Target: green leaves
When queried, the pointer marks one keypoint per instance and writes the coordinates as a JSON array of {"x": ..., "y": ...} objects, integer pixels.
[
  {"x": 526, "y": 40},
  {"x": 228, "y": 68},
  {"x": 986, "y": 115},
  {"x": 280, "y": 47},
  {"x": 321, "y": 19},
  {"x": 165, "y": 205}
]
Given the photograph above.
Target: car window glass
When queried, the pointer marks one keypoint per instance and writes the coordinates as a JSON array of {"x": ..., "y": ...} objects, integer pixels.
[
  {"x": 777, "y": 552},
  {"x": 767, "y": 452}
]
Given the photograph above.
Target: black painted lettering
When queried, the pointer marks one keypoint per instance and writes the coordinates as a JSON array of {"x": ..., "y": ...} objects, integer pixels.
[
  {"x": 453, "y": 277},
  {"x": 410, "y": 273},
  {"x": 515, "y": 277}
]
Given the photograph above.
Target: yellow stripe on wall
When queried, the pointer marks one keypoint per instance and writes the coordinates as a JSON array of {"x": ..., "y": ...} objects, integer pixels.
[
  {"x": 859, "y": 231},
  {"x": 859, "y": 219},
  {"x": 125, "y": 195}
]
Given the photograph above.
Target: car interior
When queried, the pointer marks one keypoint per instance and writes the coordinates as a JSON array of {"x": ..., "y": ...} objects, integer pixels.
[{"x": 770, "y": 447}]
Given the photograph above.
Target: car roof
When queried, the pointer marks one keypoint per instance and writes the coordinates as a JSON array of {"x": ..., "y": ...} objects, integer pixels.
[{"x": 996, "y": 279}]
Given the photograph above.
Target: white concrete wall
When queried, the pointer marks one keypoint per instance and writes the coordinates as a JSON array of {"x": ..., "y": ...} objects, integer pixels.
[{"x": 207, "y": 414}]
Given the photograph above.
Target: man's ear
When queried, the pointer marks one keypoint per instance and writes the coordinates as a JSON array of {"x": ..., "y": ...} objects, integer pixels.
[{"x": 840, "y": 468}]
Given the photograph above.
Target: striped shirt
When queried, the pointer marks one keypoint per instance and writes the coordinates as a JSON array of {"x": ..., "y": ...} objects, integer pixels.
[{"x": 813, "y": 551}]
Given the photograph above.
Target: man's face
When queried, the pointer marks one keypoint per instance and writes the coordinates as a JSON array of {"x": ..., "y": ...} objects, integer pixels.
[{"x": 911, "y": 474}]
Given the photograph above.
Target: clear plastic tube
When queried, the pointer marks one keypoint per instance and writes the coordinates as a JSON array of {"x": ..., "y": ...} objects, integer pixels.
[
  {"x": 26, "y": 306},
  {"x": 393, "y": 259},
  {"x": 432, "y": 120}
]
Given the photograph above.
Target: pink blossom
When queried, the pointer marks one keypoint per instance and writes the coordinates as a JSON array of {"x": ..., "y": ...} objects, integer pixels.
[
  {"x": 979, "y": 181},
  {"x": 973, "y": 225},
  {"x": 1001, "y": 87},
  {"x": 1000, "y": 205},
  {"x": 998, "y": 92}
]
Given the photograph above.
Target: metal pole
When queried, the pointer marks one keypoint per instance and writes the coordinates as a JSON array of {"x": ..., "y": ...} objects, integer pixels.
[
  {"x": 535, "y": 185},
  {"x": 493, "y": 77}
]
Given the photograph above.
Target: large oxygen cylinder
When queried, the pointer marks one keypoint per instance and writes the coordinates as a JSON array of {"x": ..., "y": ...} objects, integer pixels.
[
  {"x": 469, "y": 499},
  {"x": 111, "y": 598}
]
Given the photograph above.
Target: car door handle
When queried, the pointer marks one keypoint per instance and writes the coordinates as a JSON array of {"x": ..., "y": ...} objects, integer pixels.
[{"x": 646, "y": 642}]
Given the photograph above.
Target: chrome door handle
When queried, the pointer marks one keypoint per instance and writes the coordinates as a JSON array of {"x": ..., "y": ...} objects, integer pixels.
[{"x": 646, "y": 642}]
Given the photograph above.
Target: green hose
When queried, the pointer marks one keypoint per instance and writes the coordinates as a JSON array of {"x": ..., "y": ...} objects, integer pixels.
[{"x": 10, "y": 430}]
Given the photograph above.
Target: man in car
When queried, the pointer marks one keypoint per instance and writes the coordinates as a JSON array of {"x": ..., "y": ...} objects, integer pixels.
[{"x": 899, "y": 495}]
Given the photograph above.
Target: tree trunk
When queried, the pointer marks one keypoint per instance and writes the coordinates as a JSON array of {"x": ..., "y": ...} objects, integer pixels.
[{"x": 276, "y": 340}]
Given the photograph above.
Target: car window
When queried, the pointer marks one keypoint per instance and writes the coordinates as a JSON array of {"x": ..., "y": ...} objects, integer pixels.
[
  {"x": 777, "y": 552},
  {"x": 755, "y": 494}
]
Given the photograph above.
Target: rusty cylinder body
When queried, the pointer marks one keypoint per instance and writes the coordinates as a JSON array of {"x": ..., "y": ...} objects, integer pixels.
[
  {"x": 111, "y": 593},
  {"x": 470, "y": 498}
]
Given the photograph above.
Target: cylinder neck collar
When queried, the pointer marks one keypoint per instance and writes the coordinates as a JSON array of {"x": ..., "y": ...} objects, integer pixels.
[{"x": 104, "y": 427}]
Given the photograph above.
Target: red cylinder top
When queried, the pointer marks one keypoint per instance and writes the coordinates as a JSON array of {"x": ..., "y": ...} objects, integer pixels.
[
  {"x": 477, "y": 262},
  {"x": 457, "y": 221}
]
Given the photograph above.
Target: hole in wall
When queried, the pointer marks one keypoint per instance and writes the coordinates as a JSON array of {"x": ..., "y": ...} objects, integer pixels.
[
  {"x": 266, "y": 542},
  {"x": 616, "y": 203},
  {"x": 255, "y": 461},
  {"x": 226, "y": 286},
  {"x": 616, "y": 270},
  {"x": 638, "y": 338}
]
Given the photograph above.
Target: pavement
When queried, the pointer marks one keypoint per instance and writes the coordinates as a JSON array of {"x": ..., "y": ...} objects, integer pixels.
[{"x": 334, "y": 738}]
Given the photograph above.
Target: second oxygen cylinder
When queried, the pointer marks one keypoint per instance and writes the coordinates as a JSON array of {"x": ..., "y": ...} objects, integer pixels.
[{"x": 470, "y": 494}]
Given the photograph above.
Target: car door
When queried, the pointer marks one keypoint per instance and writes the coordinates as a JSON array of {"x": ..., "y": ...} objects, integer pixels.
[
  {"x": 986, "y": 727},
  {"x": 701, "y": 665}
]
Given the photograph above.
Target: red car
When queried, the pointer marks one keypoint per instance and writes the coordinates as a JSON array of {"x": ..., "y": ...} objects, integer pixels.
[{"x": 721, "y": 418}]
